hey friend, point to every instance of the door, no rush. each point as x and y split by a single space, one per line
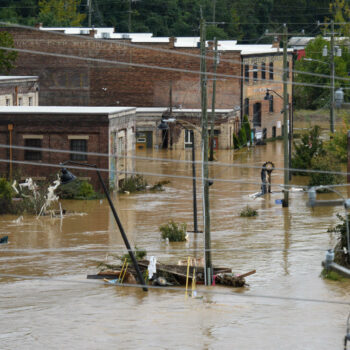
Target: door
257 114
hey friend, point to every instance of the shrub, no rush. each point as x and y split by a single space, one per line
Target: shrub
76 190
6 193
248 212
242 137
247 128
175 232
138 253
324 163
337 146
236 144
133 183
309 147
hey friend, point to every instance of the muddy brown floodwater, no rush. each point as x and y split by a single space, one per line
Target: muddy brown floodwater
285 246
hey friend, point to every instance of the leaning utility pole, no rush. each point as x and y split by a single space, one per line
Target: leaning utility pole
211 157
205 170
285 202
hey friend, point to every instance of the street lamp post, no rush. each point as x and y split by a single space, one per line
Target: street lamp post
67 177
287 140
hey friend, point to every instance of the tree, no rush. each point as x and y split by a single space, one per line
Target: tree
316 97
7 58
60 13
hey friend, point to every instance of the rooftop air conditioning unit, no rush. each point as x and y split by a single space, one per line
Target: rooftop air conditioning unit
125 36
84 31
105 35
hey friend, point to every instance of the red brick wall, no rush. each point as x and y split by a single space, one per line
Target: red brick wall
74 82
55 130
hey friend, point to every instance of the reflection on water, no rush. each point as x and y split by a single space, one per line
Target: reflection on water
51 314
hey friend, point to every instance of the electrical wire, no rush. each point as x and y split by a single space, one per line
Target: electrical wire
168 51
167 160
207 291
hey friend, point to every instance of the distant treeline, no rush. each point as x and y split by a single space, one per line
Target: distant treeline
245 20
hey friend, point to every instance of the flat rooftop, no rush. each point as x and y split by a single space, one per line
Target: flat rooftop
63 110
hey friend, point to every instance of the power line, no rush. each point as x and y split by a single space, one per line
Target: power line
160 67
169 160
181 290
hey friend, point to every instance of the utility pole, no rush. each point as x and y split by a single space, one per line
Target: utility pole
211 157
332 79
129 17
285 202
205 170
214 10
90 11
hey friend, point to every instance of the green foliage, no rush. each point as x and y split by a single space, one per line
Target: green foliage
7 58
248 212
242 137
337 146
138 253
313 97
62 13
6 193
241 20
331 275
76 190
247 128
309 147
175 232
324 163
133 183
236 144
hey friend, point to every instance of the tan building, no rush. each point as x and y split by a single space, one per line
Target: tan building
181 121
19 90
262 69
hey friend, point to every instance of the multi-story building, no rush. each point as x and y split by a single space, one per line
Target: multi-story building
19 90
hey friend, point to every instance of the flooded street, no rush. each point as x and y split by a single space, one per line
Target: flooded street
284 245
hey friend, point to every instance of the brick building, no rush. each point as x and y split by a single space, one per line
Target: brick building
121 72
79 129
19 90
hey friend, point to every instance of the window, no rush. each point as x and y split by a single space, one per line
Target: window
188 138
263 71
32 154
8 102
20 101
121 148
255 72
246 73
30 101
271 71
78 146
271 104
274 132
246 106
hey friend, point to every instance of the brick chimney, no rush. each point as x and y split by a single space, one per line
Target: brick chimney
92 32
172 41
38 25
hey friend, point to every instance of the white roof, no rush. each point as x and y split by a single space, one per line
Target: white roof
177 110
187 41
18 77
63 110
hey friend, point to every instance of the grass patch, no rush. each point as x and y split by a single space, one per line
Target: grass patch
248 212
331 275
175 232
